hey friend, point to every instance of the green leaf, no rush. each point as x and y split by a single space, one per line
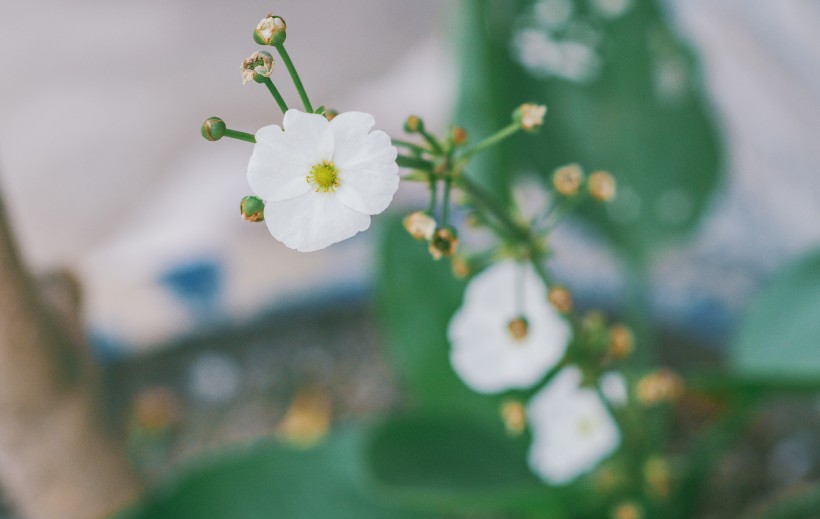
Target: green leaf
779 340
455 463
417 296
271 480
663 150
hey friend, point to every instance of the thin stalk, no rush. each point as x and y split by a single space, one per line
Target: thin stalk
445 203
431 208
242 136
276 95
410 146
491 205
432 141
492 140
295 77
414 163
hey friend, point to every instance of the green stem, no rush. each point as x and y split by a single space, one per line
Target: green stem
242 136
432 141
413 162
276 95
410 146
492 140
433 195
496 209
295 77
445 209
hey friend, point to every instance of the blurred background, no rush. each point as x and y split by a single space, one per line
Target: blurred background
211 332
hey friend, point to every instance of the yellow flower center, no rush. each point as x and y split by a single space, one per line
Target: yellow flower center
324 177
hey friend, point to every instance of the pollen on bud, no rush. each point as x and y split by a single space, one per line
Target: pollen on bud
213 128
567 179
420 225
627 510
561 299
257 67
414 124
458 136
602 186
663 385
444 243
514 415
621 341
252 209
272 30
519 328
530 116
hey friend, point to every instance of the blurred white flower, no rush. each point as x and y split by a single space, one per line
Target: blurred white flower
571 428
614 388
506 334
321 180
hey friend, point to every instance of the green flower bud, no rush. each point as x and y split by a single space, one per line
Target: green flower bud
414 124
213 128
444 243
270 31
252 209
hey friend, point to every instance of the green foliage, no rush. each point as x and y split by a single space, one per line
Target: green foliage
271 480
779 341
662 147
454 463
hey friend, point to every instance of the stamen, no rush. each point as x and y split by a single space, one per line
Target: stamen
324 177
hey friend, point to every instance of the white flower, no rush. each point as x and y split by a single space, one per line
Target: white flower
571 428
614 388
506 334
321 180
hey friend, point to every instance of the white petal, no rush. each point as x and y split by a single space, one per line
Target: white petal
483 353
313 221
369 185
615 388
274 173
308 136
572 429
349 132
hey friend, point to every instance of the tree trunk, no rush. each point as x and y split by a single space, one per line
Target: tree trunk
56 460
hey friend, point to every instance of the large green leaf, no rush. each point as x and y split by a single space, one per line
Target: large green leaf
417 297
779 340
454 463
663 149
270 480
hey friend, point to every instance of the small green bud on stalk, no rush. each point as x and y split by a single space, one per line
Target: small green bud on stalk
458 136
252 209
414 124
213 128
271 30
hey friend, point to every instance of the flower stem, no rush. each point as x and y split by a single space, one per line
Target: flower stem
410 146
242 136
492 140
431 209
295 77
445 203
492 206
432 141
276 95
413 162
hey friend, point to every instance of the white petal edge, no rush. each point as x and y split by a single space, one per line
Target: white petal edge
308 136
274 173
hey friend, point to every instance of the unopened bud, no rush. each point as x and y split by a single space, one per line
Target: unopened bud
444 243
414 124
514 416
627 510
561 299
252 209
519 328
331 114
602 186
272 30
458 136
567 179
213 128
257 67
530 116
420 225
621 341
663 385
460 266
658 474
